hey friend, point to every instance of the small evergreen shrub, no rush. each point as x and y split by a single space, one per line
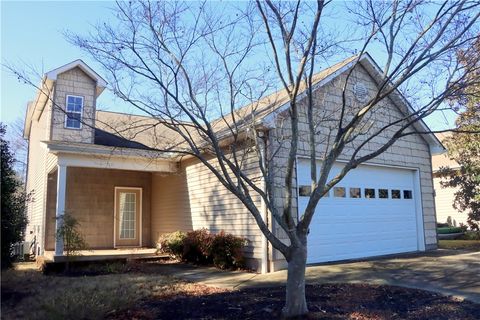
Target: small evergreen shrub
227 251
448 230
172 243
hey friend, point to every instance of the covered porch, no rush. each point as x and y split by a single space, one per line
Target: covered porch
109 192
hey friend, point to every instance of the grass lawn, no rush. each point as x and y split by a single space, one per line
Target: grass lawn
29 294
140 291
459 244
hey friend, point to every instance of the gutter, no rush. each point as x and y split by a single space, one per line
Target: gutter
105 150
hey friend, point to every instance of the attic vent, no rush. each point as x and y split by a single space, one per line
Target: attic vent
361 92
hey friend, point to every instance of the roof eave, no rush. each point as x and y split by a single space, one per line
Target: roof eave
56 147
35 108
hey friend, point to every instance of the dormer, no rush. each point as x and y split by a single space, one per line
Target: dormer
68 96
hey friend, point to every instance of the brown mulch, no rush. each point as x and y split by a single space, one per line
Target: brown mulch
327 301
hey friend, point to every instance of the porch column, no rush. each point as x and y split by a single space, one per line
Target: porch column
60 211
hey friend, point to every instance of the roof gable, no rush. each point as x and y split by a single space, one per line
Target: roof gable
367 62
101 83
43 95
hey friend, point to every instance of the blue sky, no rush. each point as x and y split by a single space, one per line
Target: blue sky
31 33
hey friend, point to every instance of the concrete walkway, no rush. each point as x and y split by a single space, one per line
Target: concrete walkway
447 272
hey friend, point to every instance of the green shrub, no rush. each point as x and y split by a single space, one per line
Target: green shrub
447 230
471 235
223 250
73 239
13 202
227 251
197 246
172 243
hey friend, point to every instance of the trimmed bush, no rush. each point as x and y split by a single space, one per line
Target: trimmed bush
447 230
172 243
196 246
223 250
227 251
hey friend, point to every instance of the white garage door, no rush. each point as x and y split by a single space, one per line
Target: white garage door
370 212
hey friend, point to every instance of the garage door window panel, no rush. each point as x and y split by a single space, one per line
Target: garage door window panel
369 193
396 194
339 192
355 193
383 193
407 194
305 191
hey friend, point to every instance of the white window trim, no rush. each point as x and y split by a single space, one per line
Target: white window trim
115 217
66 112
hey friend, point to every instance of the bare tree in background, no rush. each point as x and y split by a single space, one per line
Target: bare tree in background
191 66
19 146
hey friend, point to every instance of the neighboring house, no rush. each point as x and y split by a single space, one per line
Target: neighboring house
444 196
125 193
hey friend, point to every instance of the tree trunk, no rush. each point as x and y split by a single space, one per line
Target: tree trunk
296 302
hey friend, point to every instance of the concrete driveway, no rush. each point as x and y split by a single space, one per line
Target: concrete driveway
448 272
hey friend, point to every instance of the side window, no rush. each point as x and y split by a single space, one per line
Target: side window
304 191
383 193
369 193
74 110
395 194
355 193
339 192
407 194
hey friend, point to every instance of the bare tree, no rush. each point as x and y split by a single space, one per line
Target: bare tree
191 67
19 146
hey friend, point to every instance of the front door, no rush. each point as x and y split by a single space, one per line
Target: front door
128 215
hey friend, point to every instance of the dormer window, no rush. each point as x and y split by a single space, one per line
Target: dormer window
73 117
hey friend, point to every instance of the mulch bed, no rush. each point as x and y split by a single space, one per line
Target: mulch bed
327 301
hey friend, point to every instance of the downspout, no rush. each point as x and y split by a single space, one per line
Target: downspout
263 205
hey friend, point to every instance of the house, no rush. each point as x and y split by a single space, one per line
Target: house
444 197
125 193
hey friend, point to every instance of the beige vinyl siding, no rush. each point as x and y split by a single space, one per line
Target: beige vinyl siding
37 175
195 199
444 204
410 151
214 207
170 205
78 83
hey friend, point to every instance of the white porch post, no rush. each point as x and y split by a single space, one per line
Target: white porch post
60 211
